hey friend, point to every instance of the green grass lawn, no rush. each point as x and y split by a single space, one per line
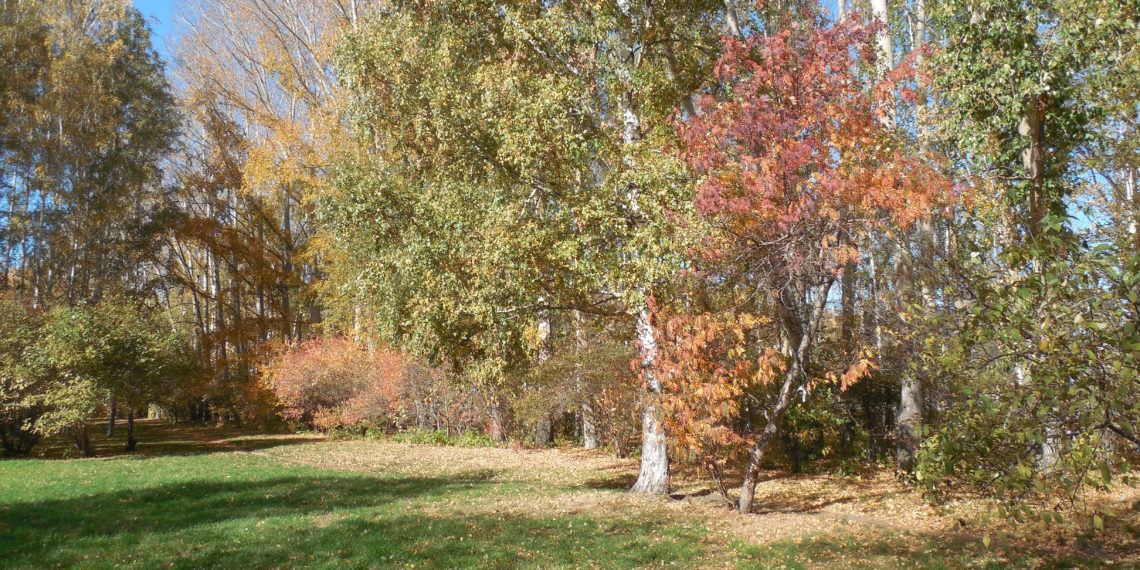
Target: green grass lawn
237 509
208 508
232 510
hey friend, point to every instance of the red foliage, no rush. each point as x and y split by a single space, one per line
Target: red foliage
797 155
333 382
797 167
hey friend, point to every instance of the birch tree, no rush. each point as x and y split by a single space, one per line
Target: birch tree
90 116
548 117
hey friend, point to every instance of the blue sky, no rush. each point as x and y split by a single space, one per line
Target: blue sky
160 15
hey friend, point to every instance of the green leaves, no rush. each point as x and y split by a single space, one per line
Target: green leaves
89 352
492 181
1046 384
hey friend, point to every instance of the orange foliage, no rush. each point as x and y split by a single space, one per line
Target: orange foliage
797 169
707 371
332 382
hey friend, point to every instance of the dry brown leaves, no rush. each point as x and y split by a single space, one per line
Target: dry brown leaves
789 507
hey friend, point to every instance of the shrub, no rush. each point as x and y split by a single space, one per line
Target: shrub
423 437
375 433
20 384
474 438
331 383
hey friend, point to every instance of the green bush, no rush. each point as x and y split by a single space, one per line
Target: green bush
375 433
423 437
474 438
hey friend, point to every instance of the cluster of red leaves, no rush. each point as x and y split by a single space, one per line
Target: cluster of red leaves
798 154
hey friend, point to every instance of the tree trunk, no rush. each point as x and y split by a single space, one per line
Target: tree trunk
1132 206
847 298
756 454
731 22
886 55
654 475
287 234
220 319
908 422
802 334
111 419
589 422
1050 448
589 425
542 431
131 441
1032 127
544 425
908 418
82 440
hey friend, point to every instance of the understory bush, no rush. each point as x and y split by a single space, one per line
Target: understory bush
335 384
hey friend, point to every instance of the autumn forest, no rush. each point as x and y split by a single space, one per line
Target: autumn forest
698 250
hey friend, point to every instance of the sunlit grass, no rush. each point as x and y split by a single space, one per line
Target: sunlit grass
240 511
237 509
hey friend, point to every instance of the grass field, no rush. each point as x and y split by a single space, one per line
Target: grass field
212 498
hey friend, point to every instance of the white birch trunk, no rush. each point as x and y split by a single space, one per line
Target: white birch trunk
589 422
654 475
885 63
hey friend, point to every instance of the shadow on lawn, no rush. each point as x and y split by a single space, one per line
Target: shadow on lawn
26 528
159 437
362 521
615 481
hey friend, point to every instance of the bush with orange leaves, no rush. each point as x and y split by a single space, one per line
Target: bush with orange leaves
710 373
330 383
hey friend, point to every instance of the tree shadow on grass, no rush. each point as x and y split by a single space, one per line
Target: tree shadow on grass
480 541
160 438
358 521
619 481
810 502
29 528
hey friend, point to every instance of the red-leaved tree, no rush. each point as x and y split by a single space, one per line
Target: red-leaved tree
796 169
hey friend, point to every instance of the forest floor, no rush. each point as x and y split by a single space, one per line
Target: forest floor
205 497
